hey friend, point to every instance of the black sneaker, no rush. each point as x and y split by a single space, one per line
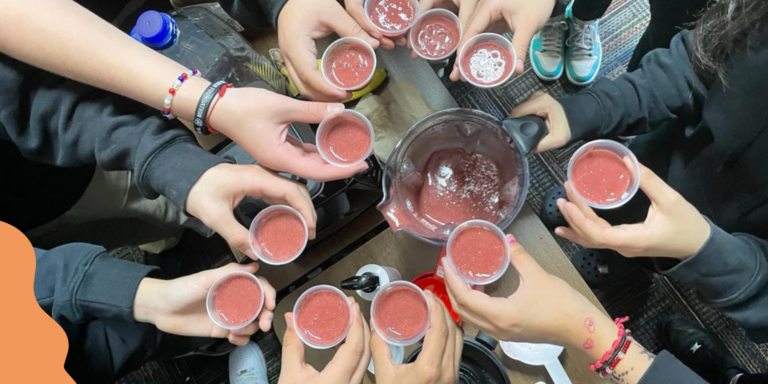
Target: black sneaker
701 351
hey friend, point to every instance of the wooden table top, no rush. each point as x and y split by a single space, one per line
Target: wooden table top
412 257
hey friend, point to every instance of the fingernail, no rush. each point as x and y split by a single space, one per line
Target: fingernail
511 239
335 108
520 64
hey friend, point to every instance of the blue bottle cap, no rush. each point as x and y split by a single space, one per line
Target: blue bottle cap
156 30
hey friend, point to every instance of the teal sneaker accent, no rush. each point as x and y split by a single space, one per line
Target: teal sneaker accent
547 50
584 51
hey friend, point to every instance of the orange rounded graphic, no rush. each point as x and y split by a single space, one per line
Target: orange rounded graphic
34 346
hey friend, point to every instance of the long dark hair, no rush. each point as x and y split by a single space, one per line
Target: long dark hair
725 26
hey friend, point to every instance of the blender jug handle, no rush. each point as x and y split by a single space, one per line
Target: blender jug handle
527 131
368 282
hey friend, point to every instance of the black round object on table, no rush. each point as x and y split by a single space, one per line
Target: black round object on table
479 365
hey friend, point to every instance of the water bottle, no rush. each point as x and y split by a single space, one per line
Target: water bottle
197 37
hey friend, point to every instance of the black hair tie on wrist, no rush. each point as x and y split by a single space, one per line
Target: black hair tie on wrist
204 105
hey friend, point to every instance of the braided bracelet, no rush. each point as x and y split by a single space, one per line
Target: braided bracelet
617 359
174 88
611 354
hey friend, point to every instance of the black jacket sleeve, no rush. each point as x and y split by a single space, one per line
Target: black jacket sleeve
664 89
90 295
65 123
731 272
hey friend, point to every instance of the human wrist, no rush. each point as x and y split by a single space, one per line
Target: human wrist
147 299
186 98
699 236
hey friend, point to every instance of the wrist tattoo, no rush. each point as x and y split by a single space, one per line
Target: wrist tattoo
588 343
589 323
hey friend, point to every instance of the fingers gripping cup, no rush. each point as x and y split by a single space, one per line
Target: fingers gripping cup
345 138
279 235
604 174
436 34
235 300
348 63
487 60
322 317
478 251
392 17
400 313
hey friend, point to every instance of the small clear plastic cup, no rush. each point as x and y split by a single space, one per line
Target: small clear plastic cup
346 43
210 300
387 32
426 16
486 38
478 224
328 122
259 221
382 295
297 314
620 150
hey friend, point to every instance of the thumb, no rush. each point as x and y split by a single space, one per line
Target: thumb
345 26
382 357
293 347
521 40
233 233
292 110
658 191
525 265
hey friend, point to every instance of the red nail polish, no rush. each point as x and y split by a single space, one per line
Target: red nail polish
511 239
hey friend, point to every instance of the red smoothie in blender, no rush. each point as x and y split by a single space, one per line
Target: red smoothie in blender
345 139
487 63
436 36
400 313
478 253
392 15
459 186
322 317
601 176
281 236
349 66
237 300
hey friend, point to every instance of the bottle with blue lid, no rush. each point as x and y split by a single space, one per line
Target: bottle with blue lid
202 37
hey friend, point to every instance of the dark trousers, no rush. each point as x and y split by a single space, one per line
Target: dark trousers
668 17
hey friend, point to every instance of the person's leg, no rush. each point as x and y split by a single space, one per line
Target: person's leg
667 19
111 212
588 10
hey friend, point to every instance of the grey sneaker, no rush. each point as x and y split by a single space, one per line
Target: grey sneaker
247 365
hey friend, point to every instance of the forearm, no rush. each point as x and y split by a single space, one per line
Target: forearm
145 302
67 39
593 333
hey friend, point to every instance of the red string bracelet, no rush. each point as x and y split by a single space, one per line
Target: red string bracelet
612 366
609 355
222 91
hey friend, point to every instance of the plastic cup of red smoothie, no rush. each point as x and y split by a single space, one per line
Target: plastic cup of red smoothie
392 18
235 300
478 252
348 63
487 60
322 317
400 313
345 138
279 235
432 28
600 177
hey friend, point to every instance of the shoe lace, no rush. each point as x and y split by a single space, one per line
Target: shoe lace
582 39
552 36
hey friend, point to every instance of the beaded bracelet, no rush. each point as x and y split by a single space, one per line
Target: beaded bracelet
620 356
617 344
174 88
